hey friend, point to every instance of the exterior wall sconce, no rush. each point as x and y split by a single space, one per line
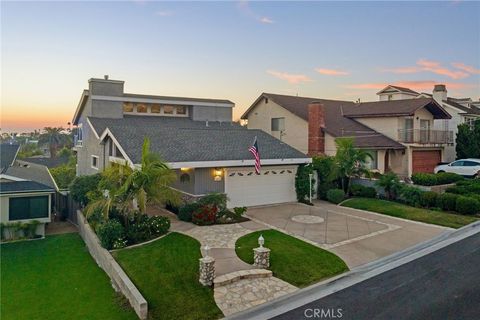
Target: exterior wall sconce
184 169
217 174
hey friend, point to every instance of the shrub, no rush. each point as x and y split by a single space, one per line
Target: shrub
391 184
424 179
158 225
109 232
239 211
81 186
185 212
428 199
448 177
358 190
217 200
302 183
335 195
467 205
204 215
326 173
447 201
410 195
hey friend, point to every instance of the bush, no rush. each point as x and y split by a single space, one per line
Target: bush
239 211
326 173
204 215
358 190
335 195
302 183
410 195
428 199
81 186
109 232
447 201
424 179
158 226
391 184
185 212
467 206
448 177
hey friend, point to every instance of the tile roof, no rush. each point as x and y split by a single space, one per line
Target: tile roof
8 153
185 140
23 186
335 124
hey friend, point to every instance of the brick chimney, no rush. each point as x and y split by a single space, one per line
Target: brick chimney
316 122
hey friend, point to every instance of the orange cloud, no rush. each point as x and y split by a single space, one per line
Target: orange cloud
414 85
431 66
466 68
331 72
291 78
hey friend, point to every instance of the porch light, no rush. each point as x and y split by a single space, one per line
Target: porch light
217 174
184 169
261 241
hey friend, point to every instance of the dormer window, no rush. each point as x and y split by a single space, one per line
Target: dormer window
168 110
141 108
127 107
155 109
181 110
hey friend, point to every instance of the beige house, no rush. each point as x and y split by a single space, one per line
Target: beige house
397 133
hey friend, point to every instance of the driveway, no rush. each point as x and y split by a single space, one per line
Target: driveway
356 236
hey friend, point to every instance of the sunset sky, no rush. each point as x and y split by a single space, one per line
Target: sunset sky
231 50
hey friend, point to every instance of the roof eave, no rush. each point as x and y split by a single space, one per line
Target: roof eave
80 106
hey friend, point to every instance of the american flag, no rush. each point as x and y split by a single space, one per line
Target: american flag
254 150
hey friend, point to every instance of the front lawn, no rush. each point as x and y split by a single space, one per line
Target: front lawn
292 260
399 210
166 273
56 278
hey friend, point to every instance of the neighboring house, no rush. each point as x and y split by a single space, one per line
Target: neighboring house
396 133
462 110
26 190
196 137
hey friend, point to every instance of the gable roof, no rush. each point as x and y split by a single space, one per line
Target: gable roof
336 124
398 89
23 187
394 108
472 110
185 140
31 171
8 154
47 161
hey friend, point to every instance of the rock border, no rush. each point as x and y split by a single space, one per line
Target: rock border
239 275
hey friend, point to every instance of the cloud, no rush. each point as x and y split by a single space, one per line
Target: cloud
164 13
414 85
466 68
331 72
290 78
424 65
244 7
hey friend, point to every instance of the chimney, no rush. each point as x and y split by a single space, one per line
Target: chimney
440 93
316 122
105 87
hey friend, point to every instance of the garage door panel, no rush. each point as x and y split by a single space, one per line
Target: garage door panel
425 161
251 190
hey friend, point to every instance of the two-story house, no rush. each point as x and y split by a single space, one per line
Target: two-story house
195 136
462 110
398 134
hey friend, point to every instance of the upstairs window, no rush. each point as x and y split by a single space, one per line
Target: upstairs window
127 107
155 108
95 162
141 108
181 110
278 124
168 110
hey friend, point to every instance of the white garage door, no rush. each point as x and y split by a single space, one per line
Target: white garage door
273 185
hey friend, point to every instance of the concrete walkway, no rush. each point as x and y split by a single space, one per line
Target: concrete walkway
60 227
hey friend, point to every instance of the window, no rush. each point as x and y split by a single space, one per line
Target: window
95 162
28 208
470 122
390 97
278 124
141 108
181 110
470 163
127 107
371 162
155 108
457 164
168 110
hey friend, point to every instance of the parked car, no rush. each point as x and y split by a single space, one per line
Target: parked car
465 167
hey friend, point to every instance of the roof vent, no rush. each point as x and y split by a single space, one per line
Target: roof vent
105 77
206 123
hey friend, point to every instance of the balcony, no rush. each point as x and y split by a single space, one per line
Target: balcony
425 136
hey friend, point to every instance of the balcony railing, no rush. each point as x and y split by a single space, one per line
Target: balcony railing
77 142
425 136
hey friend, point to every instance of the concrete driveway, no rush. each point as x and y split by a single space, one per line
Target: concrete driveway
357 236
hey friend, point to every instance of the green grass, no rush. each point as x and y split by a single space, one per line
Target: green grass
166 273
399 210
292 260
56 278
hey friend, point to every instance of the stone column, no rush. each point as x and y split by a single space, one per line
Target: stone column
207 271
261 257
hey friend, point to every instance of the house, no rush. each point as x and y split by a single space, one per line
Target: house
397 133
26 190
462 110
196 137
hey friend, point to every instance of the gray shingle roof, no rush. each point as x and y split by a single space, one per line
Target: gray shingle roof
453 103
31 171
185 140
48 162
23 186
8 153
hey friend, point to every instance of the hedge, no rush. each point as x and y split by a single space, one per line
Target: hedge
358 190
467 205
428 199
335 195
447 201
430 179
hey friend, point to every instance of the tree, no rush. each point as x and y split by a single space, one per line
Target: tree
83 185
326 173
350 162
390 183
468 141
55 139
63 175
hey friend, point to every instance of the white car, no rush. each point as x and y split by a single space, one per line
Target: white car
465 167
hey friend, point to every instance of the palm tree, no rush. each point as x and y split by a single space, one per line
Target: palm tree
55 139
350 162
127 188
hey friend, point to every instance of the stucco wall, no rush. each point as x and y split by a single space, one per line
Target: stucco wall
91 146
205 183
5 207
385 125
107 109
296 129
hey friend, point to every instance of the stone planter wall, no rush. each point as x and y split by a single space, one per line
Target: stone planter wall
120 281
